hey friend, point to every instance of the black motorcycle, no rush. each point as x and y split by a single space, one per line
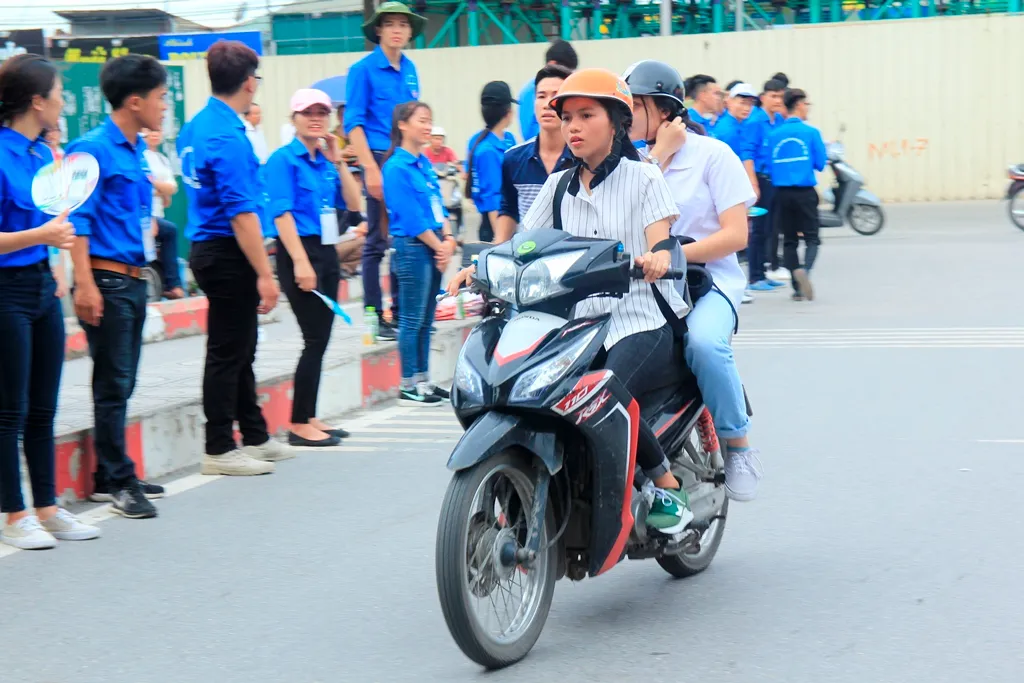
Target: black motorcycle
1015 193
545 481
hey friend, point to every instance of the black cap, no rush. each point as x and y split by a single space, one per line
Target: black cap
497 92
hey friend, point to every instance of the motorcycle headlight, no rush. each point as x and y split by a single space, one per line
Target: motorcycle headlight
467 379
532 383
501 274
542 278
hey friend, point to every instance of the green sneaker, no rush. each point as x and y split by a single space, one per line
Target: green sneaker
670 512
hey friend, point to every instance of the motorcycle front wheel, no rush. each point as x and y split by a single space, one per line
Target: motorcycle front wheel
1017 207
866 219
484 513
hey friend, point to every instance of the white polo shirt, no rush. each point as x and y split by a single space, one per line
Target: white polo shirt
706 178
633 197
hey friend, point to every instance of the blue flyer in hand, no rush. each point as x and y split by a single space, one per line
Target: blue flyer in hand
334 306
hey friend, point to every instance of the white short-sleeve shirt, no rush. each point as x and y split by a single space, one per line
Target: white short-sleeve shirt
160 168
622 206
706 178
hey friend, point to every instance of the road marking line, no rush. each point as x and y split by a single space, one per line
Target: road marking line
390 439
1011 441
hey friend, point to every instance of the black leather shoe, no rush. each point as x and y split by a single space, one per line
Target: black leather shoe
340 433
296 440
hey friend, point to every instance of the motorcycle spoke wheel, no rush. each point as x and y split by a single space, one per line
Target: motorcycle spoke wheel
495 610
1017 208
865 219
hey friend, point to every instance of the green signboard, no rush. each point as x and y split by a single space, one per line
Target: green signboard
85 108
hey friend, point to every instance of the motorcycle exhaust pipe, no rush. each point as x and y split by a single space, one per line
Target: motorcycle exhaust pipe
707 502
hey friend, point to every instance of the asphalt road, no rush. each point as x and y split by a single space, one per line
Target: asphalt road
883 546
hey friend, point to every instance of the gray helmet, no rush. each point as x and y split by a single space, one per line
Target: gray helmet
655 79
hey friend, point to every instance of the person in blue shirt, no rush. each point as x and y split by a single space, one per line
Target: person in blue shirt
486 150
763 247
526 167
797 151
220 172
708 101
114 242
424 246
31 320
376 85
310 184
560 53
730 128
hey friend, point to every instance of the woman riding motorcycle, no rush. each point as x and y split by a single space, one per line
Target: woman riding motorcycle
712 191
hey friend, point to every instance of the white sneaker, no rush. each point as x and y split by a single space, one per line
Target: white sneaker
780 274
743 472
28 534
270 451
234 464
64 526
747 297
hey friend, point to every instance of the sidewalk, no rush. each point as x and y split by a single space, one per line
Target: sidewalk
165 425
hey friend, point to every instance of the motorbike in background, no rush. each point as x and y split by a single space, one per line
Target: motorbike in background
451 191
850 202
1015 193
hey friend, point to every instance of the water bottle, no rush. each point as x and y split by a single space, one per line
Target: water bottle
370 323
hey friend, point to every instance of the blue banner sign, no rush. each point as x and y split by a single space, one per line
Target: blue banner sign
185 46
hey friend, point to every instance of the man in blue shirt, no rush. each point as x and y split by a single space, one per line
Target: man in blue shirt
376 85
708 101
221 171
763 246
730 128
114 241
525 168
797 151
560 53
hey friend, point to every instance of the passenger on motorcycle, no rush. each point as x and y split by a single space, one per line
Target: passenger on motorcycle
613 195
712 192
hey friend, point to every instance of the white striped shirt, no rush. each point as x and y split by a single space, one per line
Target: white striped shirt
632 198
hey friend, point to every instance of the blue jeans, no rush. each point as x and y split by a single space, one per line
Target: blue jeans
32 329
709 355
167 252
115 346
418 283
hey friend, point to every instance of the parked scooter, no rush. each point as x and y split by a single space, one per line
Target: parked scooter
451 191
850 201
1015 193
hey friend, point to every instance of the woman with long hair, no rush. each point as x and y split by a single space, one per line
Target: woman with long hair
423 245
486 150
31 319
713 192
311 182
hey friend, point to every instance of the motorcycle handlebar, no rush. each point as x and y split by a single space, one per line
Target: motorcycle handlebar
670 274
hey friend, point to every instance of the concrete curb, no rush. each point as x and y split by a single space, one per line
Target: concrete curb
173 438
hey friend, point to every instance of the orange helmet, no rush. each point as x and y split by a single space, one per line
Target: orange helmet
597 84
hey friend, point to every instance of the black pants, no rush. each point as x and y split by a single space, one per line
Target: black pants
315 319
32 329
115 346
637 361
762 232
796 210
229 384
486 229
374 248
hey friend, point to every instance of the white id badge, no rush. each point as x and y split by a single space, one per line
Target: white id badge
148 240
435 204
329 227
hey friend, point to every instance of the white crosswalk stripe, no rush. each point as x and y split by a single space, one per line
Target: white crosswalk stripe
892 338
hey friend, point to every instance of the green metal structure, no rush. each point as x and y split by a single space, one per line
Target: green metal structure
458 23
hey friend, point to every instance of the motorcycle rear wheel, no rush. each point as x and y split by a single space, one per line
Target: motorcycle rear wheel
1016 207
454 562
866 219
688 564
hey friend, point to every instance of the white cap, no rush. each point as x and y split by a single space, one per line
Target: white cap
437 130
743 90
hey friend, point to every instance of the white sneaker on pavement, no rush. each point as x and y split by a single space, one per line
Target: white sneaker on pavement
780 274
28 534
234 464
64 526
743 472
270 451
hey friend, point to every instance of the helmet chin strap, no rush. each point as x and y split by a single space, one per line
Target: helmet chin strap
651 139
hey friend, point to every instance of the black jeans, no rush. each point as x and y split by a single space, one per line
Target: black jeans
486 229
32 330
167 252
796 209
637 361
315 319
115 346
229 383
761 231
373 252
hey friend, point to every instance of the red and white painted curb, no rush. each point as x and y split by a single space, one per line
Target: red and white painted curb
187 317
173 439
